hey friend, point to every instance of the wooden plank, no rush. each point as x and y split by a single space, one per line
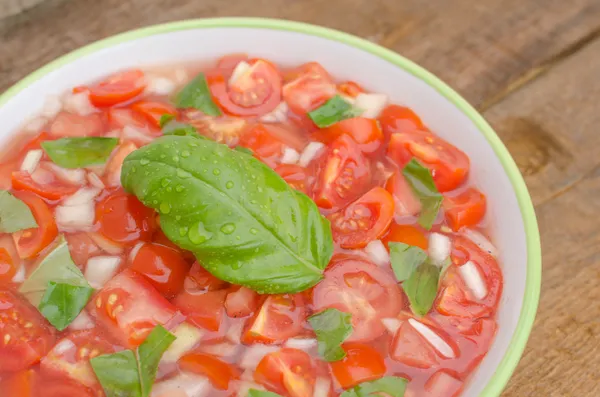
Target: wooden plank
479 47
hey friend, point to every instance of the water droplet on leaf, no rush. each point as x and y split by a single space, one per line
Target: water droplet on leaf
228 228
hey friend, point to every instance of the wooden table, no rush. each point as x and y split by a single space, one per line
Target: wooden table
531 66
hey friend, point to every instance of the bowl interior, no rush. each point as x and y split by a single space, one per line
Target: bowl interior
344 61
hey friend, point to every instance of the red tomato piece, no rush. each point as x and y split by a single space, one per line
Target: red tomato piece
363 221
20 384
354 285
295 175
129 308
119 118
200 280
74 125
122 218
362 364
63 388
350 88
204 309
81 247
266 147
405 200
7 267
308 87
407 234
115 163
448 165
465 209
241 303
365 132
227 64
395 118
343 174
153 111
30 242
118 88
163 267
279 318
220 373
21 180
442 384
25 336
287 371
411 349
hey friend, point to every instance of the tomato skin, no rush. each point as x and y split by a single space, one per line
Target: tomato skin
343 175
122 218
363 221
74 125
21 180
410 348
117 88
20 384
7 267
354 285
361 364
227 64
30 242
365 132
81 247
307 87
350 88
241 303
465 209
263 144
63 388
406 203
26 335
115 163
279 318
287 371
218 372
443 384
395 118
163 267
205 309
448 165
153 111
296 176
407 234
200 280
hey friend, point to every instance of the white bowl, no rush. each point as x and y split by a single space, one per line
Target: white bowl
511 215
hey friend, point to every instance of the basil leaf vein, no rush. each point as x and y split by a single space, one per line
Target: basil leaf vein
392 386
421 287
242 221
421 182
332 111
62 302
332 327
405 259
196 94
15 215
80 151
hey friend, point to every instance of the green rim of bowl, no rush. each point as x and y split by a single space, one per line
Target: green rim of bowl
534 256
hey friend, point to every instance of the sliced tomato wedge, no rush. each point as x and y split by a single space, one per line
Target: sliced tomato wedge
307 87
407 234
354 285
26 335
203 309
289 372
296 176
343 174
54 190
30 242
466 209
21 384
442 384
279 318
200 280
129 308
220 373
407 204
153 111
395 118
365 132
350 88
256 92
63 388
115 163
74 125
241 303
122 218
81 247
363 221
448 165
362 364
118 88
162 266
411 349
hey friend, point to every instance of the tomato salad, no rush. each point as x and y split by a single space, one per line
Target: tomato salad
243 229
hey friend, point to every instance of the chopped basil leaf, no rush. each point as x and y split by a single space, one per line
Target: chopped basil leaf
405 259
262 393
58 267
180 129
129 374
392 386
332 111
332 327
15 215
81 151
63 302
421 287
419 178
244 150
196 94
164 119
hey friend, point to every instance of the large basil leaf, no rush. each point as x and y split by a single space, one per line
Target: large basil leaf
421 181
80 151
332 328
15 215
392 386
241 220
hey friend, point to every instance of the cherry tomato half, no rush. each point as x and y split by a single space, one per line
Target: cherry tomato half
287 371
395 118
407 234
279 318
55 190
118 88
307 87
365 132
153 111
30 242
220 373
123 218
465 209
361 364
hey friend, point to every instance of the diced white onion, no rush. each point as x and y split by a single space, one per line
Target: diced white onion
31 160
52 106
79 103
472 278
75 176
377 253
254 354
191 385
348 98
277 115
481 241
100 269
19 276
239 71
82 196
63 346
436 341
290 156
181 76
371 104
234 333
81 322
224 349
301 343
95 180
134 251
133 134
322 387
310 152
439 247
36 124
75 217
42 176
160 86
106 244
187 336
391 324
